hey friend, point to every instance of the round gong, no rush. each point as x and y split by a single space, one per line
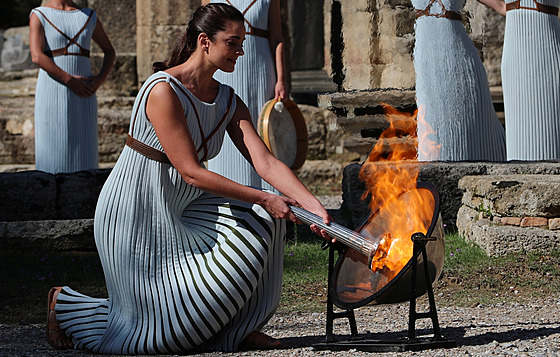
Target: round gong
282 127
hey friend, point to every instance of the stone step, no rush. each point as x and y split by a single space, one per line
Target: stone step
511 213
362 115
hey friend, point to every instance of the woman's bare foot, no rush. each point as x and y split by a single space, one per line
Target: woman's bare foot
55 335
258 340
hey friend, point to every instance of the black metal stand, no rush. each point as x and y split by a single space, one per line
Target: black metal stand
413 343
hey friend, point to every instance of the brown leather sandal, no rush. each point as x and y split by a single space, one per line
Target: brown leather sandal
55 335
258 340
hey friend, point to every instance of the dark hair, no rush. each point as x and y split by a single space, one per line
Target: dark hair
209 19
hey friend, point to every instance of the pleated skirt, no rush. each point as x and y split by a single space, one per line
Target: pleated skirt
65 124
456 117
185 270
531 85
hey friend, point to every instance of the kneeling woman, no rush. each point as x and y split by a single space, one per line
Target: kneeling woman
191 259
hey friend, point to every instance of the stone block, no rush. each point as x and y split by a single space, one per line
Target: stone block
15 53
78 193
62 235
501 240
27 196
519 195
466 217
534 222
511 221
554 223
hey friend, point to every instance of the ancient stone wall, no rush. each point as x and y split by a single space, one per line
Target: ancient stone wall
160 22
369 44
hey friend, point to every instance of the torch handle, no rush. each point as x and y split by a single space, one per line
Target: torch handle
352 239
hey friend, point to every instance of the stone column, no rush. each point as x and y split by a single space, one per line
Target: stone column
159 23
370 42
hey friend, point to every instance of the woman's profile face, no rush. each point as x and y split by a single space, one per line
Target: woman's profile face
227 46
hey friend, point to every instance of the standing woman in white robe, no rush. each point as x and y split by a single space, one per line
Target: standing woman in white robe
259 76
531 78
456 117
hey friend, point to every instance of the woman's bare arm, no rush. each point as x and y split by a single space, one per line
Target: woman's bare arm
272 170
498 5
276 42
166 115
101 38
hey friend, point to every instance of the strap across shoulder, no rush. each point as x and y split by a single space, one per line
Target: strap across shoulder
160 156
255 31
71 40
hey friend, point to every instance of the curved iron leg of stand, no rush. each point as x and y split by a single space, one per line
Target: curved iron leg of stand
432 313
331 314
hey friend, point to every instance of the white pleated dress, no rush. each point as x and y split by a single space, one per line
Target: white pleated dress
531 83
65 124
184 269
253 79
456 118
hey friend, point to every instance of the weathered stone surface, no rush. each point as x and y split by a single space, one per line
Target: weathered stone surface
534 222
321 141
48 234
27 196
119 22
122 80
554 223
113 123
316 171
159 25
15 53
498 240
37 195
519 195
511 221
78 193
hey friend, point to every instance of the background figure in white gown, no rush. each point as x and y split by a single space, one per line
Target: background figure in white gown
259 76
531 78
456 118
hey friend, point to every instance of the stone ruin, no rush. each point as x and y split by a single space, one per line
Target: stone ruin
356 54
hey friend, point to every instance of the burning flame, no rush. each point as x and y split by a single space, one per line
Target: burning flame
391 170
428 149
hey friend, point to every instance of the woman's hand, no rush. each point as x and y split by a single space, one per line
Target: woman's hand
280 90
320 211
80 85
278 207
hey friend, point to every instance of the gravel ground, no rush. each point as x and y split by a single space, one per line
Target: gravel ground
508 329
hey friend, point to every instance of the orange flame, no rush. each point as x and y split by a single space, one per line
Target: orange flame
428 149
390 170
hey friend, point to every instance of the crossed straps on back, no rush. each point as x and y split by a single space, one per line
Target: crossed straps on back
71 41
451 15
160 156
255 31
547 9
